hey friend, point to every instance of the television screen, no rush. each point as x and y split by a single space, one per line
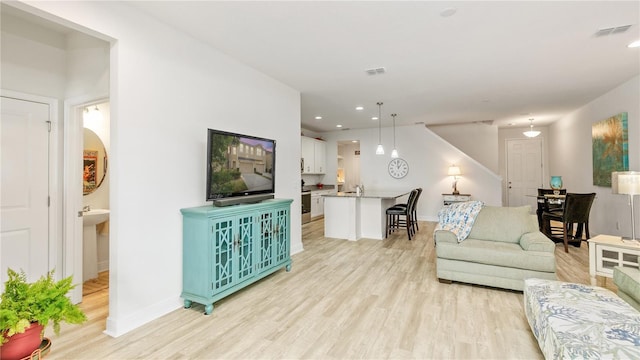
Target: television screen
239 165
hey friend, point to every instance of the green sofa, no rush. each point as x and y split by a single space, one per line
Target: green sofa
628 282
503 249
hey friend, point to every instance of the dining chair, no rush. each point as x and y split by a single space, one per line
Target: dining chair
402 216
545 205
575 211
414 215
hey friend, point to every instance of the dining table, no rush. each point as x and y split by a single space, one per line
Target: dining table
544 202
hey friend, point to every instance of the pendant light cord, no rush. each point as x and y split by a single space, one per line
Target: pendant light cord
379 122
394 129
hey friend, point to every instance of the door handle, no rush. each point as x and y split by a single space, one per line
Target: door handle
79 213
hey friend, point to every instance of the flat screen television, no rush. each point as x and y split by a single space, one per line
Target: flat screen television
240 168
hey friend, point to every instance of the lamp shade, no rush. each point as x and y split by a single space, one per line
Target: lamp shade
454 171
625 182
531 133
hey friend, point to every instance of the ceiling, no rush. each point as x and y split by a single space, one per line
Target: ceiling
497 62
492 62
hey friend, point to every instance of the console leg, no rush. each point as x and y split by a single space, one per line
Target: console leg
208 309
187 304
288 268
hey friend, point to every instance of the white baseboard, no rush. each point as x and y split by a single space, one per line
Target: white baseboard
296 248
117 326
103 266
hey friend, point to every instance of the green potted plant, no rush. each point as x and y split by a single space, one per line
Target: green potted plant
29 308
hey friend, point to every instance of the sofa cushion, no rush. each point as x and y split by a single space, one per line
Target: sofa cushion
537 241
498 254
504 224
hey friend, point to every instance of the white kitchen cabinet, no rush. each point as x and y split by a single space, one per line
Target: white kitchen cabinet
320 163
313 156
308 155
317 202
317 205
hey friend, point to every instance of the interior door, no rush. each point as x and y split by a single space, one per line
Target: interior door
24 205
524 171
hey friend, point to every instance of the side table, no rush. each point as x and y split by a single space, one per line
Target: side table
606 251
449 199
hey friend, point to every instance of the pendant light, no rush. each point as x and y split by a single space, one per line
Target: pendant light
531 133
379 149
394 153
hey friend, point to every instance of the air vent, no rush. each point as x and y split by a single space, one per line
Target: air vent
376 71
612 31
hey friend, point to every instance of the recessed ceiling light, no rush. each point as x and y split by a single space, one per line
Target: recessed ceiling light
448 12
634 44
354 141
338 126
374 118
376 71
318 117
359 108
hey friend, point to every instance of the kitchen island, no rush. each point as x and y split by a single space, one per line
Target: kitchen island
353 216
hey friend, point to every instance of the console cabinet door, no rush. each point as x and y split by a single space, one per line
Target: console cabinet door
266 243
274 238
233 251
245 248
282 230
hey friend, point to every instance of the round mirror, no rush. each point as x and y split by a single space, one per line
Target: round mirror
94 162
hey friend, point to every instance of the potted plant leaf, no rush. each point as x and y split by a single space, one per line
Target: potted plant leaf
27 308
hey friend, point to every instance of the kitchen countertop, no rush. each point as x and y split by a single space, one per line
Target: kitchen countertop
370 194
308 188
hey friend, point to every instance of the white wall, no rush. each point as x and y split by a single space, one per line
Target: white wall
570 155
478 140
166 89
44 74
429 157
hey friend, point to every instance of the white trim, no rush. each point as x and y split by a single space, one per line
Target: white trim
54 215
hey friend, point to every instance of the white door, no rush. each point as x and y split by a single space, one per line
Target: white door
24 208
524 171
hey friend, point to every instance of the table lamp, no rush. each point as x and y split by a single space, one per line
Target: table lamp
455 172
628 183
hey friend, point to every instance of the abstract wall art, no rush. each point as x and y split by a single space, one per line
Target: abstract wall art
610 144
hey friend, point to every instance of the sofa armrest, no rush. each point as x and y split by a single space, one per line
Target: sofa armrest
628 282
536 241
444 236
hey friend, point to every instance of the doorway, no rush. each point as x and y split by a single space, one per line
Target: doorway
524 171
95 196
348 170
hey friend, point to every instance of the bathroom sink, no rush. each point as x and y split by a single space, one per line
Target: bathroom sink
94 217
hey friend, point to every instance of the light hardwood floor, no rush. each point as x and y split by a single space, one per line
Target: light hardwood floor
342 300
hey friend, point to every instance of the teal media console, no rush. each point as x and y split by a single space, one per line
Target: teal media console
227 248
